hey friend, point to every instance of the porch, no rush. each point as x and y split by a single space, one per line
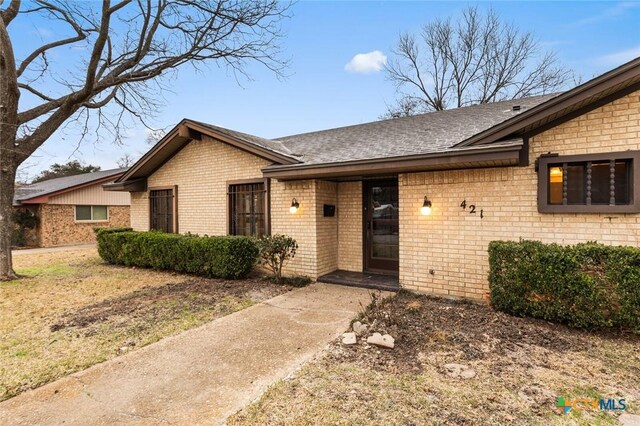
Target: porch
362 279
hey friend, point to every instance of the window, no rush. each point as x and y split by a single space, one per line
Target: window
92 213
248 209
593 183
162 209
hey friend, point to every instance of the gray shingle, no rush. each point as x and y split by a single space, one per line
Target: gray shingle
419 134
57 184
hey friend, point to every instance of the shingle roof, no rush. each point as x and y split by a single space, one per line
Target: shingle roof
272 145
419 134
58 184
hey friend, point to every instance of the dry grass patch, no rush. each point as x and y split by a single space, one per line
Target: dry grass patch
70 311
522 366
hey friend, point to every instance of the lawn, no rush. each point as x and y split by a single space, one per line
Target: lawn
522 366
70 311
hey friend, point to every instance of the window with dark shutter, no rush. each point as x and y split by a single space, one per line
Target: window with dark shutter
248 210
162 210
593 183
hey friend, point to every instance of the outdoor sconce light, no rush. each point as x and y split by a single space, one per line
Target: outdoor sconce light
426 207
295 205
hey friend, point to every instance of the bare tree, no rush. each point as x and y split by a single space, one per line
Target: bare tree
476 59
122 49
126 161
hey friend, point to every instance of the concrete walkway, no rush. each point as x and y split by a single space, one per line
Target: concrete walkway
53 249
200 376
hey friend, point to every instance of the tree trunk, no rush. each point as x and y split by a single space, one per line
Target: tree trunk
10 153
7 181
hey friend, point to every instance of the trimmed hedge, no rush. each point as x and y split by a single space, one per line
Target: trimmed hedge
585 285
214 257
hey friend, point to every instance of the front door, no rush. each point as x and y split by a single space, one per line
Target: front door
381 226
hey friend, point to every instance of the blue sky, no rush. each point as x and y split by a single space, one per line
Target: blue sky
321 38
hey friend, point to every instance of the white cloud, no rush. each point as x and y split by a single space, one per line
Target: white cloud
619 58
611 12
364 63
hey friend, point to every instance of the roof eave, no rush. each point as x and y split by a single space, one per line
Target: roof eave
487 156
186 131
43 197
583 92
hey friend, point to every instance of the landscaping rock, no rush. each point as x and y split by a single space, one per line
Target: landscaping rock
459 370
627 419
385 341
535 395
359 328
349 338
469 373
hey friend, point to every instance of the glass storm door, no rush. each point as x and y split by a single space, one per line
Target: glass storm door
381 226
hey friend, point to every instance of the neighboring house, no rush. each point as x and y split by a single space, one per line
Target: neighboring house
417 197
68 208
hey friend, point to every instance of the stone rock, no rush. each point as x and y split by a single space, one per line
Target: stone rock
459 370
385 341
535 395
627 419
469 373
359 328
349 339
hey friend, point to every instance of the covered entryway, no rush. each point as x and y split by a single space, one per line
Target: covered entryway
381 235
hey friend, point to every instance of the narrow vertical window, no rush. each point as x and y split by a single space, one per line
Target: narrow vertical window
162 210
248 209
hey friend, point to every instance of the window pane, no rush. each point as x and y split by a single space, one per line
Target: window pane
247 209
161 204
555 184
576 184
623 182
83 212
99 212
600 183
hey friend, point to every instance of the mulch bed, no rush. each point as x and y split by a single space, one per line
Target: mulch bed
154 302
468 331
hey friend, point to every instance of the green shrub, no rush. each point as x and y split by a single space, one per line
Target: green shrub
585 285
214 257
276 251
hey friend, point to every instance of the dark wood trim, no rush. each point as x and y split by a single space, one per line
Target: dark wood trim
366 264
187 131
136 185
174 191
609 80
543 172
584 110
490 156
524 152
244 146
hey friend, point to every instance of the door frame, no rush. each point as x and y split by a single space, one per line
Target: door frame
366 243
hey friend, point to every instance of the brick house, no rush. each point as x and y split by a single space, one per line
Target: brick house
416 199
68 208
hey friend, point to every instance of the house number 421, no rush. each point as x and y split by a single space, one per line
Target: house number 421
472 208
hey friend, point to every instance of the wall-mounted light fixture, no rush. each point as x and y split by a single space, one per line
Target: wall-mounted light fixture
426 207
295 205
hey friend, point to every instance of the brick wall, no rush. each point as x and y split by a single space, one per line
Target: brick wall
317 236
58 225
326 228
453 243
201 170
350 226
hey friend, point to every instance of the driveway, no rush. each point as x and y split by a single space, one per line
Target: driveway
200 376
